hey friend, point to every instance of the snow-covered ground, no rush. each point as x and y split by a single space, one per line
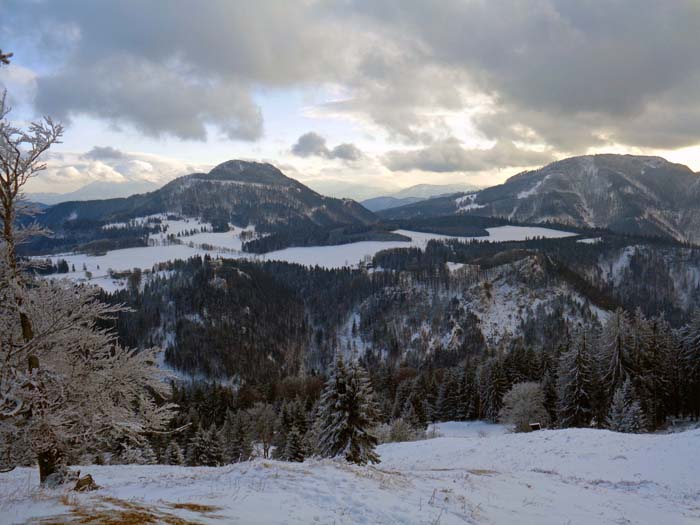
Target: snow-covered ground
476 474
229 244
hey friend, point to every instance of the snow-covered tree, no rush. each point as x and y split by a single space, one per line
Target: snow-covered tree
626 412
654 374
616 345
347 414
294 448
66 386
137 455
493 386
522 405
575 384
173 454
690 341
205 448
235 438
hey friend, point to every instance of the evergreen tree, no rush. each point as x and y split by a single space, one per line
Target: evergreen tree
655 374
690 341
239 443
294 448
615 345
616 418
173 454
626 412
205 448
575 384
347 413
494 385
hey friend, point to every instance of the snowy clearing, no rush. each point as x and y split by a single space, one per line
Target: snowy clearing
228 245
480 475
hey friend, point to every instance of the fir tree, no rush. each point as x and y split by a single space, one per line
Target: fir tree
347 413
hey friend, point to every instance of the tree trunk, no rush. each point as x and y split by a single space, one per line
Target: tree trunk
49 463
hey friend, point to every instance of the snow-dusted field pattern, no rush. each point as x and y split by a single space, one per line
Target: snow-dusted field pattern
229 245
476 473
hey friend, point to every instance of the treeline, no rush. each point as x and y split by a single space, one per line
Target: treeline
312 235
631 375
235 318
89 236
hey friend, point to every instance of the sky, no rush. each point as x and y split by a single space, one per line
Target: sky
352 97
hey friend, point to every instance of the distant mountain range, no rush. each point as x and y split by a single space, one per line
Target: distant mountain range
414 194
631 194
96 190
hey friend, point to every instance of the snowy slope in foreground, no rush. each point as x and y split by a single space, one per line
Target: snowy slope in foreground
575 476
228 245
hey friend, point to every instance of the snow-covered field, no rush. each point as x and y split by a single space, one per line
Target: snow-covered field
476 474
229 244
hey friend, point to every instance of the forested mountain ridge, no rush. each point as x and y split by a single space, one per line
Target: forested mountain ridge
454 299
237 192
632 194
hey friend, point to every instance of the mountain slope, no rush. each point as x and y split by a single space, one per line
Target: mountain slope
235 191
625 193
385 203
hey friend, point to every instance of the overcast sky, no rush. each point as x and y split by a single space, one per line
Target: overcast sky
350 94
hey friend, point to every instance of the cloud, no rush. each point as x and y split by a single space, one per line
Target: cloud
565 74
177 71
596 71
450 156
312 144
104 152
67 171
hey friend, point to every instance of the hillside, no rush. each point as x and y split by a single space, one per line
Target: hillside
235 192
481 475
626 193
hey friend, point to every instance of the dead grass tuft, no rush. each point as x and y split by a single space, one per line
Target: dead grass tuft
113 511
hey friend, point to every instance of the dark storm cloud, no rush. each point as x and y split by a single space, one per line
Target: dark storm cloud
603 66
566 73
312 144
450 156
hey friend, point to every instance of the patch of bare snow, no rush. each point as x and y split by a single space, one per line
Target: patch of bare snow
475 475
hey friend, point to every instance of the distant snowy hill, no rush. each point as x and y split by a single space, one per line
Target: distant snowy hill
414 194
625 193
478 475
385 203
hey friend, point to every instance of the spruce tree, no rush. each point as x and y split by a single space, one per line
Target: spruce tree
616 345
575 384
626 413
294 448
173 454
240 445
690 341
347 414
